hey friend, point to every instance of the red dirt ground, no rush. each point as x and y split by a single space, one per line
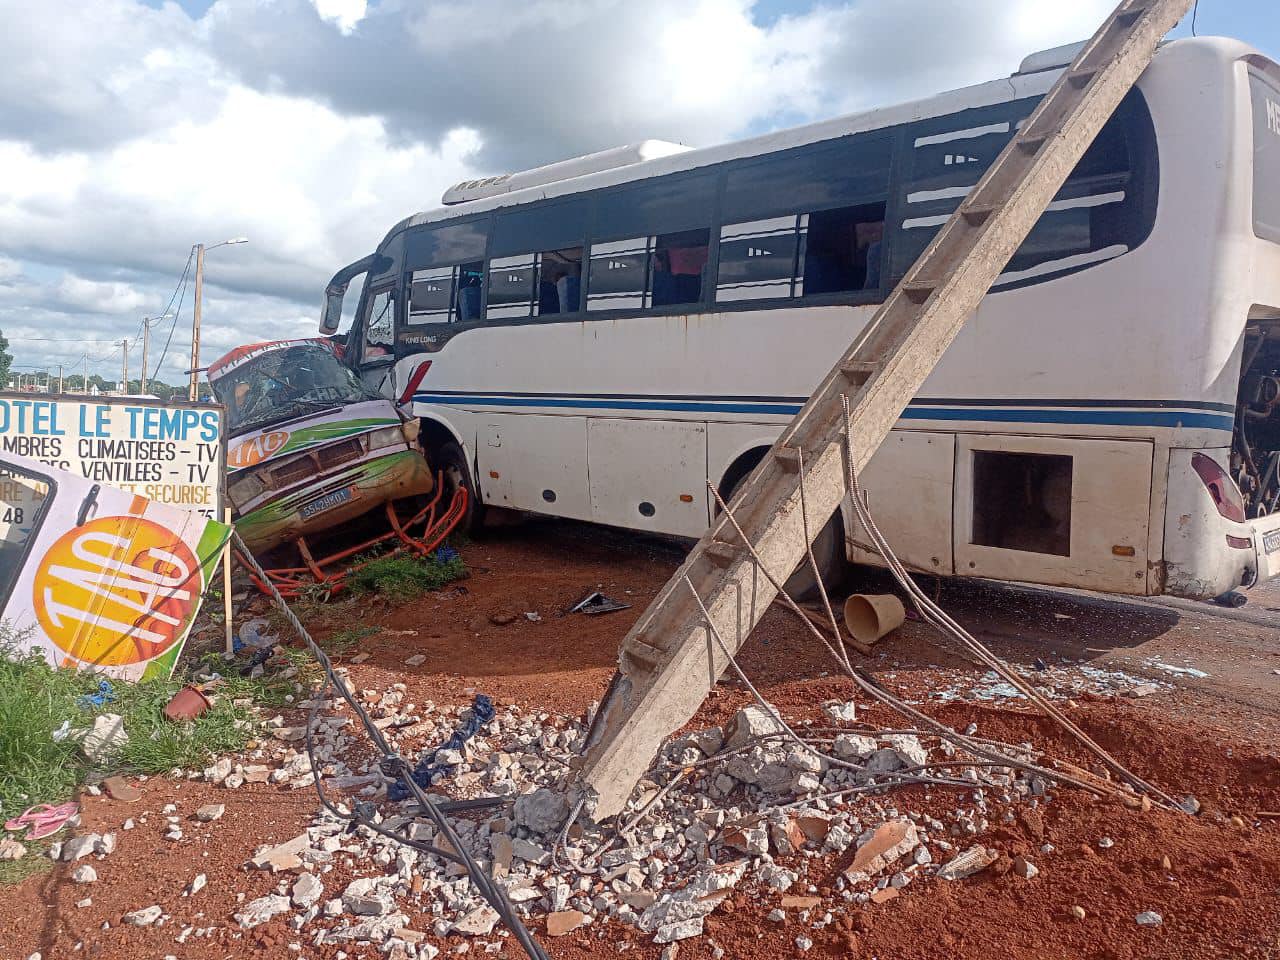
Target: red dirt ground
1220 896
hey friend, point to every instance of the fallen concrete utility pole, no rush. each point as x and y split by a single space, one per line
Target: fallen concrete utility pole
668 661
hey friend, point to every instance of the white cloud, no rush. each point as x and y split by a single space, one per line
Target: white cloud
77 293
344 14
128 133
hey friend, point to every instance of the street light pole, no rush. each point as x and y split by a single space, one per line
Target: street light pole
146 343
193 389
124 359
59 378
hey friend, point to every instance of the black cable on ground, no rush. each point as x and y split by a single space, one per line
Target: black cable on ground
395 767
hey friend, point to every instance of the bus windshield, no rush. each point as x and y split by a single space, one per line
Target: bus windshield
287 382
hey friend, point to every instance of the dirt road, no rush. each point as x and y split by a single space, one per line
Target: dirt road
1209 727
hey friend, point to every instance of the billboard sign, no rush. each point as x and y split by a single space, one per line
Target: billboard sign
93 576
168 452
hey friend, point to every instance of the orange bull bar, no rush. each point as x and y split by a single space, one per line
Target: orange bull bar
331 573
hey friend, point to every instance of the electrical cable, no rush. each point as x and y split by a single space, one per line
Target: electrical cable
174 324
393 766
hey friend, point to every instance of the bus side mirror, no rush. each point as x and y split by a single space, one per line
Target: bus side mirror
331 315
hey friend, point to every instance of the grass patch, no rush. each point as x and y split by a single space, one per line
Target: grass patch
36 700
405 577
344 641
15 871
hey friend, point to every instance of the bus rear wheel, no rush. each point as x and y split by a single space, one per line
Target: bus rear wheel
828 555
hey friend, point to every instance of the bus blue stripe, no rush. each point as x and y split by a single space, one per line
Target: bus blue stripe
1100 417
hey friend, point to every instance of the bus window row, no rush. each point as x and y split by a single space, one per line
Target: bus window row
806 222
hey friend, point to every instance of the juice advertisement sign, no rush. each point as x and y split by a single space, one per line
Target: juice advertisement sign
97 577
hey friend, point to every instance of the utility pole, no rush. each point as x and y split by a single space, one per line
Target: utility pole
146 345
193 388
59 378
124 360
84 385
666 665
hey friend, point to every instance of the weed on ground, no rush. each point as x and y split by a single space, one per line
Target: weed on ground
403 577
343 642
41 708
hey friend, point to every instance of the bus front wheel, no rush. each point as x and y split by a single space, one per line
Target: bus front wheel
450 460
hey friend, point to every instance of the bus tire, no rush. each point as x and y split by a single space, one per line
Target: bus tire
450 460
828 555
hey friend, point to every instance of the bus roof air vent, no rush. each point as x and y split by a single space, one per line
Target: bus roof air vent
609 159
1052 59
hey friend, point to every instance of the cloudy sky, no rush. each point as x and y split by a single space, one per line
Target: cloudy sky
130 130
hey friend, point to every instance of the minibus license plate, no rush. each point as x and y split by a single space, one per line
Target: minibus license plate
1271 541
327 502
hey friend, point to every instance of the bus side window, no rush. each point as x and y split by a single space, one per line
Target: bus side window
536 264
805 223
446 272
842 249
678 264
663 260
1105 209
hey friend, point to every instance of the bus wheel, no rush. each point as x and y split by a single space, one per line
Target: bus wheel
828 554
450 459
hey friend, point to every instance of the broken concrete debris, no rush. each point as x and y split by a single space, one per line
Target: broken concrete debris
144 917
889 843
259 911
104 740
11 849
748 818
751 723
966 864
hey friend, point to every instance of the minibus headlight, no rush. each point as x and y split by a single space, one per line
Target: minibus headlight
1223 490
245 487
387 437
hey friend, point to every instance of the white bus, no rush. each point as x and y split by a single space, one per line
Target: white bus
596 338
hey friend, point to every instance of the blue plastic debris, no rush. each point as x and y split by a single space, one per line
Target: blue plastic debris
445 554
100 698
427 770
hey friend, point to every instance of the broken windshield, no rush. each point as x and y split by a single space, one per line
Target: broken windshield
289 382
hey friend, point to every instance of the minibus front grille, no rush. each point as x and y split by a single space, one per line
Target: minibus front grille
340 453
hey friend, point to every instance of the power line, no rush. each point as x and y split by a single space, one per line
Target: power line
57 339
173 326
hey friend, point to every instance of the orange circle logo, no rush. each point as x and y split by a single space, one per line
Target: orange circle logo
116 591
256 449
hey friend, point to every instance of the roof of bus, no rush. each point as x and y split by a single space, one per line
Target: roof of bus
983 94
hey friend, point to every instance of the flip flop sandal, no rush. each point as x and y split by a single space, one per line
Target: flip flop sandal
50 822
28 817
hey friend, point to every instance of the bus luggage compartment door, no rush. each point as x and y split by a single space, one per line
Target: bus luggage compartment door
649 474
1053 510
908 482
535 463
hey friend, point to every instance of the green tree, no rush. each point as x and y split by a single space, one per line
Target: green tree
6 360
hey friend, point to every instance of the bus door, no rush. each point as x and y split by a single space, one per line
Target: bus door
368 345
373 352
